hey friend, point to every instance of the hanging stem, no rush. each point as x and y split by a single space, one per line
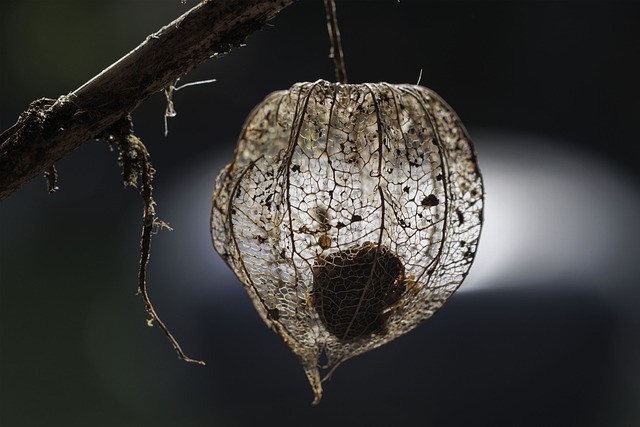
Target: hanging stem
336 44
137 172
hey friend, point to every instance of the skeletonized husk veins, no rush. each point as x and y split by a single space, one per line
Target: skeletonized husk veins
350 213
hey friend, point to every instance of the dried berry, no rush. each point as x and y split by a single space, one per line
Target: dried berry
342 214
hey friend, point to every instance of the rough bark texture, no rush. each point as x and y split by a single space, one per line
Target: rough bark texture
50 129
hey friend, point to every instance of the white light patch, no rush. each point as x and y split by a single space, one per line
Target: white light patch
185 256
552 211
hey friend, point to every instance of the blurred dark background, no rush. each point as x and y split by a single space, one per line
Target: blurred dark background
545 331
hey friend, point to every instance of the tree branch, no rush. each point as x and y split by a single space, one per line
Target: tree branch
50 129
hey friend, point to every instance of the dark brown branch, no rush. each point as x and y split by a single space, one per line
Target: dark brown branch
50 129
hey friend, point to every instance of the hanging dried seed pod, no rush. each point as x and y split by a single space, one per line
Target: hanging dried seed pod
351 213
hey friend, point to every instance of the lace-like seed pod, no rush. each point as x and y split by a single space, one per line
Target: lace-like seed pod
351 213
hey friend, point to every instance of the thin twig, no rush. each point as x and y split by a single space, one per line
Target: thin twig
149 223
336 43
51 176
170 110
137 172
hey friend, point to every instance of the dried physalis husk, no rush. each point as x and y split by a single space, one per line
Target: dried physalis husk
351 213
